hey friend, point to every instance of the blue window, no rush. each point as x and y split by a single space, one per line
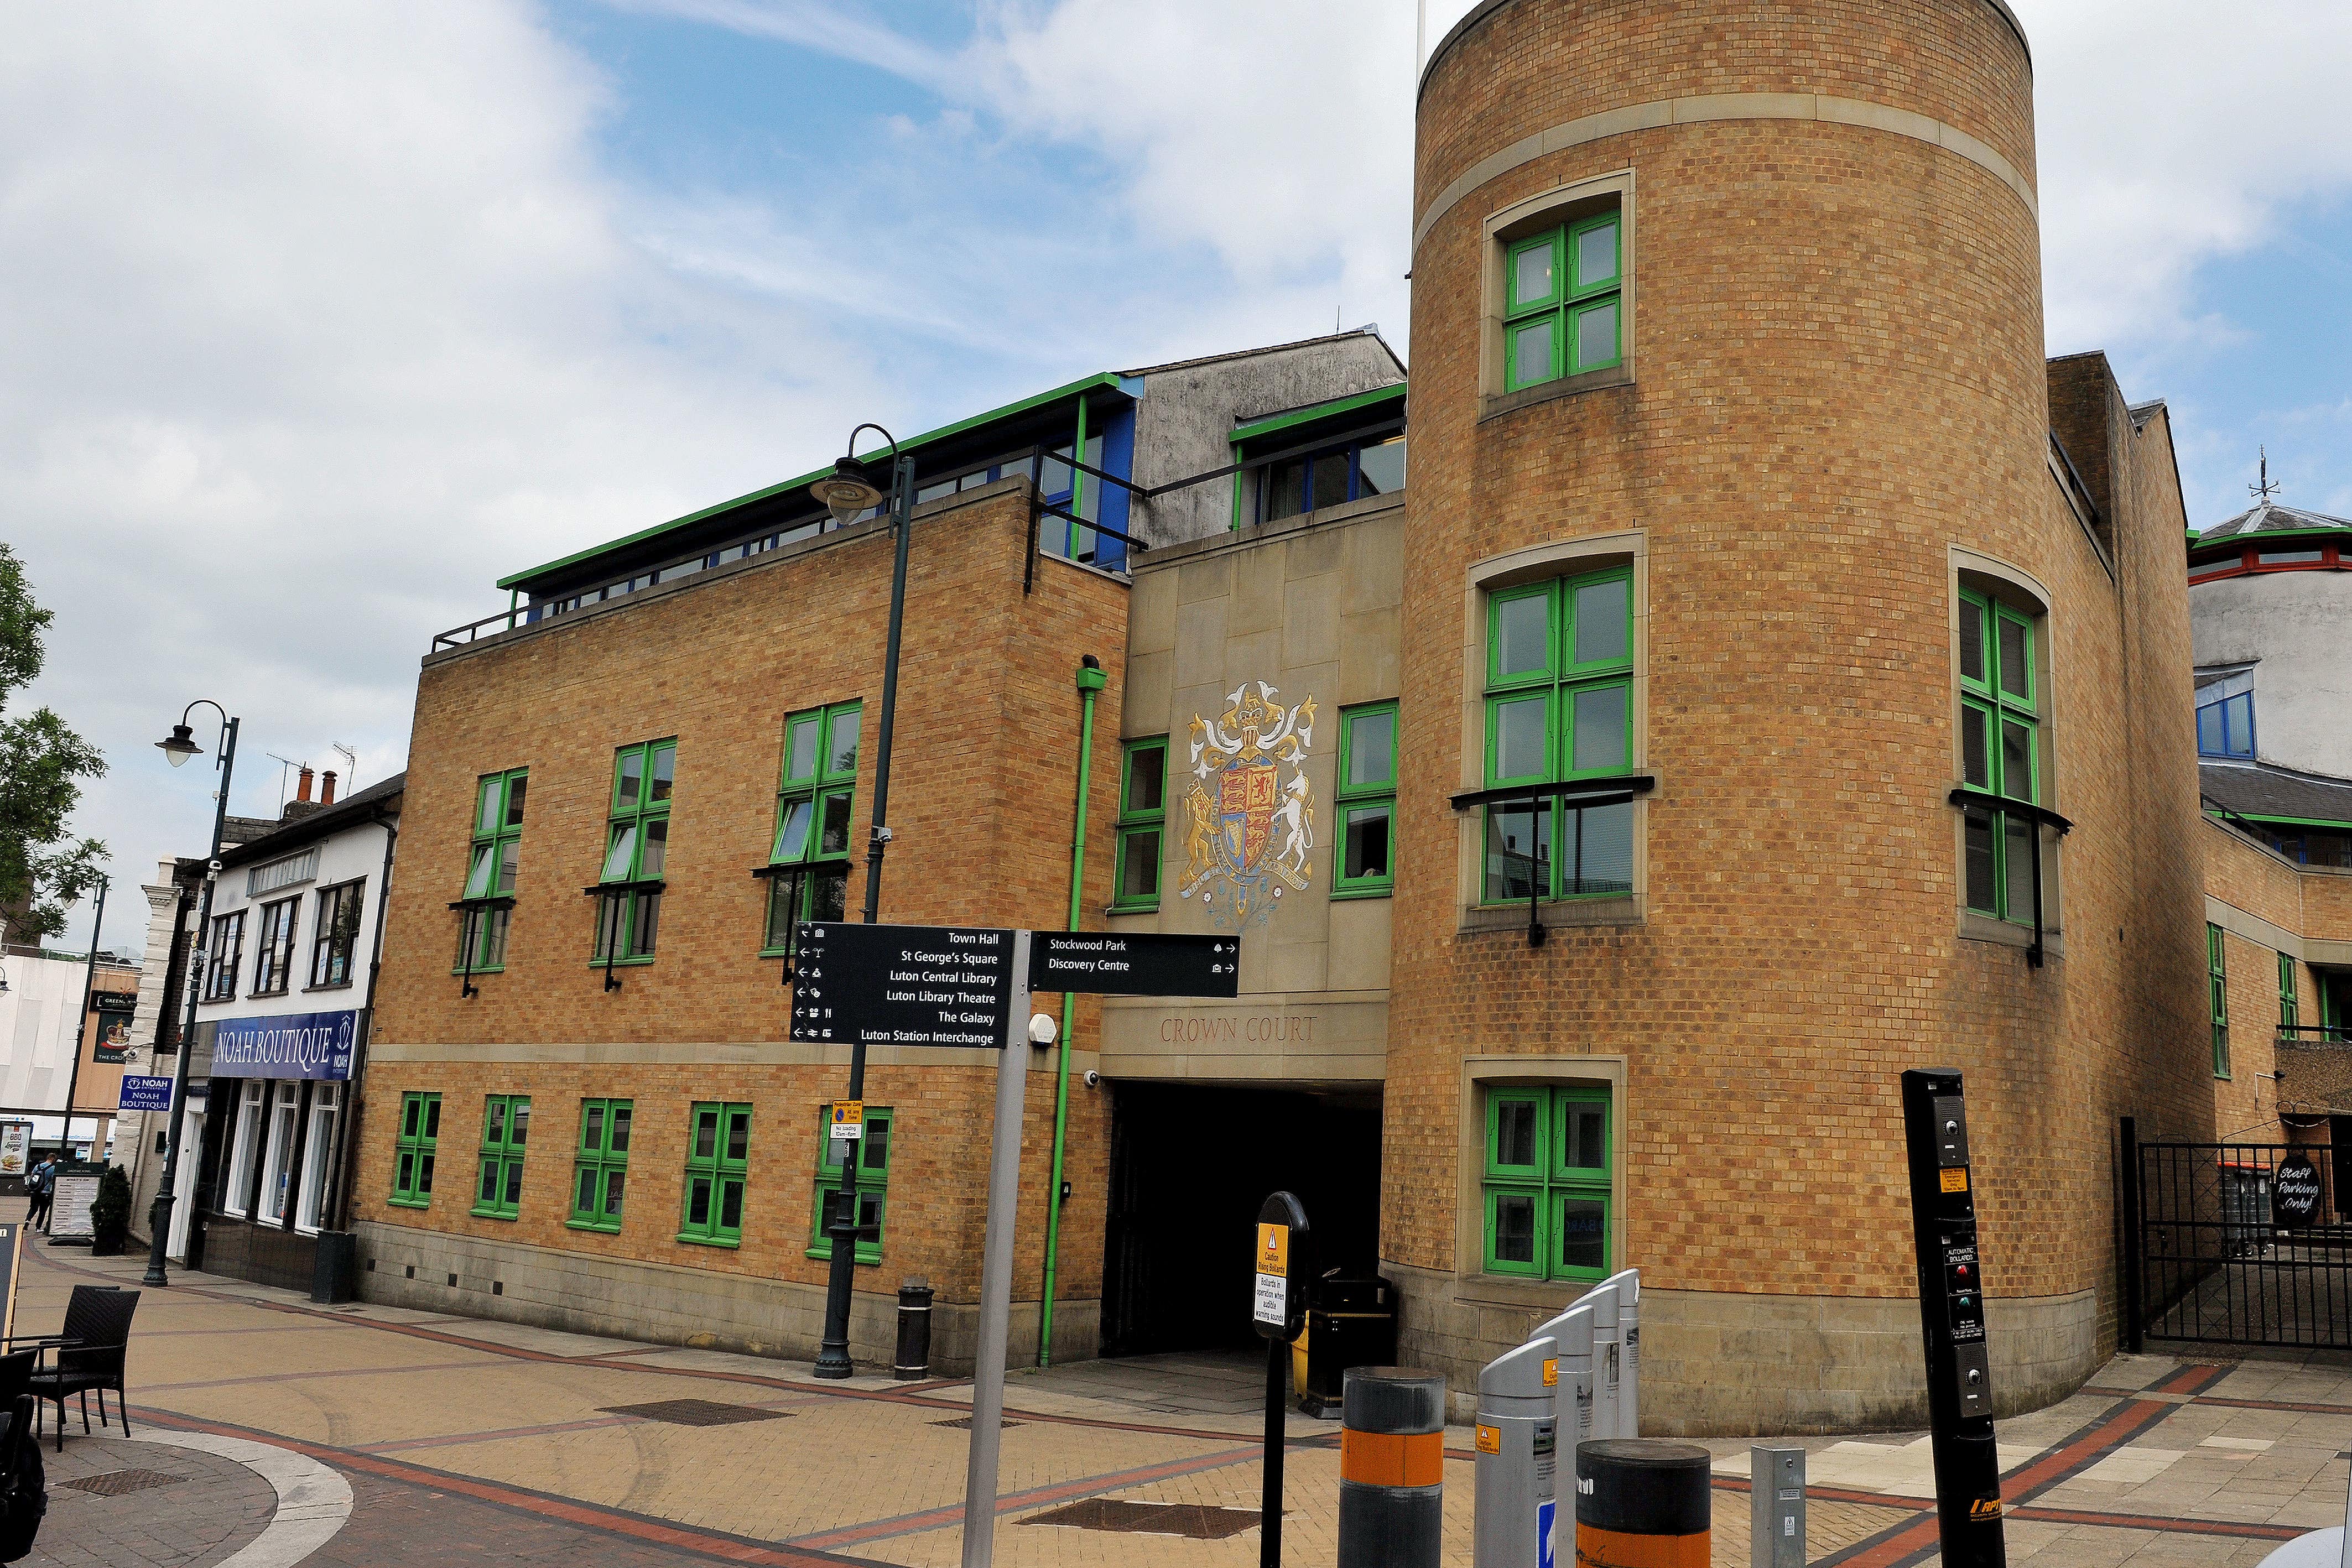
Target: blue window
1319 479
2226 728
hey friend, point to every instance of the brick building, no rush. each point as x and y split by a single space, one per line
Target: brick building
1774 675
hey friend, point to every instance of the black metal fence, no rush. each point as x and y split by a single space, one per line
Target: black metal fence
2219 1250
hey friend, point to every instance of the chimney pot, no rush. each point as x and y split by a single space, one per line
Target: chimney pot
327 795
302 784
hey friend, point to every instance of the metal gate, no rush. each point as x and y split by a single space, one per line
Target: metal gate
2219 1250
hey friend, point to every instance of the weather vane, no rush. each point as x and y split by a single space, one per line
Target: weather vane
2265 490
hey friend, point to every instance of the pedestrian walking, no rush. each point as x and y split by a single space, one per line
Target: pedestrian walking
39 1184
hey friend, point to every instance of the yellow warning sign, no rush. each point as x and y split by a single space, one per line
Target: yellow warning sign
1490 1439
847 1120
1274 1250
1551 1372
1957 1180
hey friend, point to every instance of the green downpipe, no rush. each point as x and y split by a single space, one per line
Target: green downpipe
1091 681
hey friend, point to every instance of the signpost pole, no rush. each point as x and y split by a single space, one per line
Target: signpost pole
81 1025
1277 1310
996 1271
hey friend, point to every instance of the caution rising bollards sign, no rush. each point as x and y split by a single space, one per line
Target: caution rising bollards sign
1280 1268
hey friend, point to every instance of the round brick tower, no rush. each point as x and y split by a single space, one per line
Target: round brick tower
1729 429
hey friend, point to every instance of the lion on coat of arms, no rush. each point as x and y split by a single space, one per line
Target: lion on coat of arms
1247 829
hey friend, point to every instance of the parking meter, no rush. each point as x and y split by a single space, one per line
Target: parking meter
1519 1448
1952 1313
1626 1287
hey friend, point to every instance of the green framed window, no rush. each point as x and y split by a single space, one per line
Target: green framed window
636 848
2001 745
2335 1004
813 805
1366 864
1564 302
2217 992
2290 1010
717 1158
873 1182
491 870
1546 1190
1559 706
505 1127
1143 818
413 1147
600 1166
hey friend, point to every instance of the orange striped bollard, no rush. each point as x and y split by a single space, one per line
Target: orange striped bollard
1641 1503
1391 1467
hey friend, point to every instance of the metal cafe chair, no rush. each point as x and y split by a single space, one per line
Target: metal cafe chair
90 1355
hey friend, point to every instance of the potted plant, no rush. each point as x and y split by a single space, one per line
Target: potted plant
110 1214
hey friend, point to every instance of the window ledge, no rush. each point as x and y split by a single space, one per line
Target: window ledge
592 1225
596 964
396 1203
494 1214
476 973
1340 892
710 1241
1558 913
1507 1290
1975 927
1617 375
824 1254
346 985
1151 908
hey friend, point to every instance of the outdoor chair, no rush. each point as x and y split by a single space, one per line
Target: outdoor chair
24 1488
91 1355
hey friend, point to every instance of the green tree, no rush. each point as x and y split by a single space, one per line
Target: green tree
41 763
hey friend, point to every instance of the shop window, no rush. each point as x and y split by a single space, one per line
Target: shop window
1564 308
317 1157
413 1149
2217 997
2226 728
2290 1012
1547 1186
273 956
2001 748
239 1157
1327 478
1560 707
278 1154
505 1128
809 857
336 939
1142 818
224 957
1366 865
486 911
718 1156
872 1152
600 1166
637 848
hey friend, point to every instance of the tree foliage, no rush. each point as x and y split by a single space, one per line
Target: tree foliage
42 762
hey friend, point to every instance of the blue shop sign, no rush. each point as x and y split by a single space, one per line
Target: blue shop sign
145 1093
292 1045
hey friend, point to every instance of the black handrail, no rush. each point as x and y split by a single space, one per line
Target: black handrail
1967 795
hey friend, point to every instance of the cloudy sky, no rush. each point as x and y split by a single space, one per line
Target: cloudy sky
319 319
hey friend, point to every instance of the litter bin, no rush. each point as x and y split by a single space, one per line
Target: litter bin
1351 1320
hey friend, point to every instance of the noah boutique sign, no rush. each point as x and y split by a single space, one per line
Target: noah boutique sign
316 1046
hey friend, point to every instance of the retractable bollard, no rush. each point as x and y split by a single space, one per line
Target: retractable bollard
1642 1503
1608 1351
1776 1506
914 1357
1629 1352
1518 1452
1391 1467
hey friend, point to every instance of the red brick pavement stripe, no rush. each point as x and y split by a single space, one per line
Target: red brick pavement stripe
146 1388
2168 1524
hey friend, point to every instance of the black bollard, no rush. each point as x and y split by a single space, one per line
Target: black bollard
914 1358
1391 1467
1641 1501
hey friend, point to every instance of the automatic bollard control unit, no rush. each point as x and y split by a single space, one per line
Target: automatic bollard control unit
1776 1506
1518 1452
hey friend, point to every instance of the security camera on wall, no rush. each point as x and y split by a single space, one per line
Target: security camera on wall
1094 1079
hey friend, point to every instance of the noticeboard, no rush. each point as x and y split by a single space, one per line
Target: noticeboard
75 1190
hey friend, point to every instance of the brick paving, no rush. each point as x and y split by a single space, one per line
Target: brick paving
471 1440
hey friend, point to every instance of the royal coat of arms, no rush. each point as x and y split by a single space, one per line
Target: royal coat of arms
1248 827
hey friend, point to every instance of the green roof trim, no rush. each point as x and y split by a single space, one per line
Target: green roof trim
1273 423
1104 380
2265 818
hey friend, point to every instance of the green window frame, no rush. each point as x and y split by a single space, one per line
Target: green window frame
814 801
637 848
2335 1004
1365 866
2290 1008
506 1126
491 866
1546 1192
600 1164
1564 304
1142 819
415 1146
2216 993
2000 751
873 1183
718 1172
1559 706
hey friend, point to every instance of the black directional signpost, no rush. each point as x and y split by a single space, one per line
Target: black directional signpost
903 985
1108 964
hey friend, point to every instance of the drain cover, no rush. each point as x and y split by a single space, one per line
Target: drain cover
1192 1520
964 1423
695 1413
114 1484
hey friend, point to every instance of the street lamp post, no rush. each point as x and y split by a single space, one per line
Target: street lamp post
81 1028
848 492
179 747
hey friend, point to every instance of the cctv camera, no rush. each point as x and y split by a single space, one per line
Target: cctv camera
1094 1079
